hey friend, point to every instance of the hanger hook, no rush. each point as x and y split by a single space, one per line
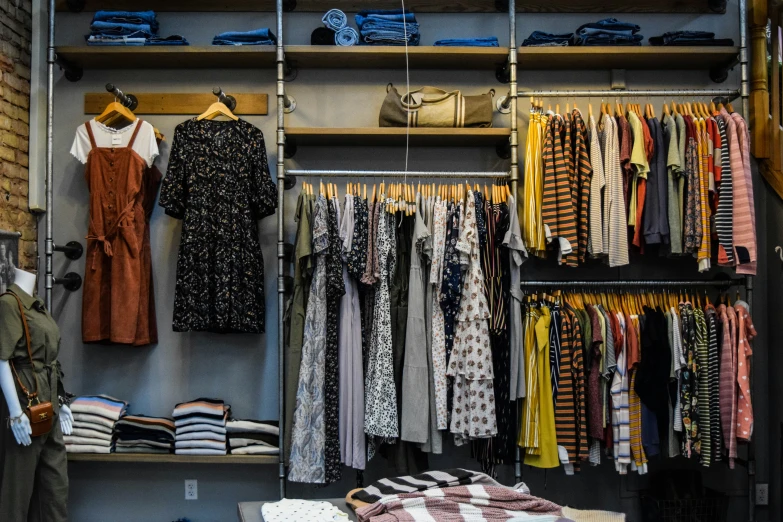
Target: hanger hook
779 251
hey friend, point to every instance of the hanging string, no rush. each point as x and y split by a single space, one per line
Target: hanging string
408 89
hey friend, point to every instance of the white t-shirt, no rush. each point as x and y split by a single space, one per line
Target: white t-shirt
290 510
145 144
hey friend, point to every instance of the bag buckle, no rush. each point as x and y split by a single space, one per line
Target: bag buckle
32 397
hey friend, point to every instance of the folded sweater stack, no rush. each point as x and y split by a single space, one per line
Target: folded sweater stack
252 437
201 427
142 434
94 418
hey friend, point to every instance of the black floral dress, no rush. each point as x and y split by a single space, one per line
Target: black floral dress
335 289
218 184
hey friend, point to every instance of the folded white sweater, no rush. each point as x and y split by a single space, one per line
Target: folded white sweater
203 444
84 448
88 441
202 435
201 427
199 451
255 450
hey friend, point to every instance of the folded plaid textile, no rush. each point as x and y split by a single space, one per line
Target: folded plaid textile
423 482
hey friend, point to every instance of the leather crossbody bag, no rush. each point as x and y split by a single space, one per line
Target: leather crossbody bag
433 107
41 414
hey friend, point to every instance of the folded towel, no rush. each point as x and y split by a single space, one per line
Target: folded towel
93 421
201 427
255 450
201 435
84 448
200 451
208 444
100 405
242 426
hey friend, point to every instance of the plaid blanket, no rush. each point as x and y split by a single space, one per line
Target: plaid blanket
473 503
423 482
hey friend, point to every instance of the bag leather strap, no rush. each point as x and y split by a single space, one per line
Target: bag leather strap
30 396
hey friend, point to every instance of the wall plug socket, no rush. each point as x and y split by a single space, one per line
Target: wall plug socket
191 490
762 494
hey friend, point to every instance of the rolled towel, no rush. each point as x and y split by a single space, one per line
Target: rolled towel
346 37
335 19
322 36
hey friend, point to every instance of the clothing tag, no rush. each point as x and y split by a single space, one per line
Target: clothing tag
116 139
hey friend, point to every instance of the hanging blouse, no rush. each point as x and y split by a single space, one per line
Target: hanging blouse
438 319
218 184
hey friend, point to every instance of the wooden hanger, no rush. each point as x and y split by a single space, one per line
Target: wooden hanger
215 110
114 113
666 109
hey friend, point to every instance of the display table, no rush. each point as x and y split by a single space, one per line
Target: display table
251 511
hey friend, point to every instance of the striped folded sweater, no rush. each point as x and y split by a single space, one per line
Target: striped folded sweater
95 422
160 426
99 405
214 408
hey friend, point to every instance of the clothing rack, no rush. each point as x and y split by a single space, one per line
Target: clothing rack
127 100
718 283
393 174
640 93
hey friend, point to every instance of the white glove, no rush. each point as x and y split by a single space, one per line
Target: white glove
66 420
22 430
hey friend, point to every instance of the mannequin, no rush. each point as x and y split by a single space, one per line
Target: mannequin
21 428
34 485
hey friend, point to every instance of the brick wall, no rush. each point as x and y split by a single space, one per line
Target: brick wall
15 36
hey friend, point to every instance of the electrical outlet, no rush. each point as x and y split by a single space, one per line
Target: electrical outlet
191 490
762 494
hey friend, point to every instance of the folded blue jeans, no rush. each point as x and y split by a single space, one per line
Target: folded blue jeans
130 17
540 38
261 36
609 39
335 19
174 39
393 15
390 38
490 41
110 28
612 24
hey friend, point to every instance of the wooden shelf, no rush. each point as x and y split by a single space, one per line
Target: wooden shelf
643 57
462 58
420 6
395 136
393 57
173 459
174 57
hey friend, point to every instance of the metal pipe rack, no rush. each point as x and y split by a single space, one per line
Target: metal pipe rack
716 283
639 93
393 174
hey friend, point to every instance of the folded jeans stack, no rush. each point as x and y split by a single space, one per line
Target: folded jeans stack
542 39
337 21
201 427
388 27
490 41
94 418
609 31
128 28
261 36
697 38
142 434
252 437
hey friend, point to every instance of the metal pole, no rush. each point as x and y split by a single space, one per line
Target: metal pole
394 174
609 93
280 57
726 283
49 241
514 174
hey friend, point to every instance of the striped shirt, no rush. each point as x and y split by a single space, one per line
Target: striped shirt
615 228
713 359
621 416
634 403
744 211
703 390
558 213
580 181
570 406
595 244
724 218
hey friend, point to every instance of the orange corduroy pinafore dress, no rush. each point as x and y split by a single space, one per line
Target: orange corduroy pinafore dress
118 268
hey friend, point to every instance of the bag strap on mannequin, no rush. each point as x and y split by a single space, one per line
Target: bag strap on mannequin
30 396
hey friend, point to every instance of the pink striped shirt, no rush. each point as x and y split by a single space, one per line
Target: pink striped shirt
744 213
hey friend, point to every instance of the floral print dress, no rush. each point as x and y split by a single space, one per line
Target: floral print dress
380 414
438 321
218 183
473 411
307 462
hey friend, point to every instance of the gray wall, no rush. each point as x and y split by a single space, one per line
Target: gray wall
242 369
